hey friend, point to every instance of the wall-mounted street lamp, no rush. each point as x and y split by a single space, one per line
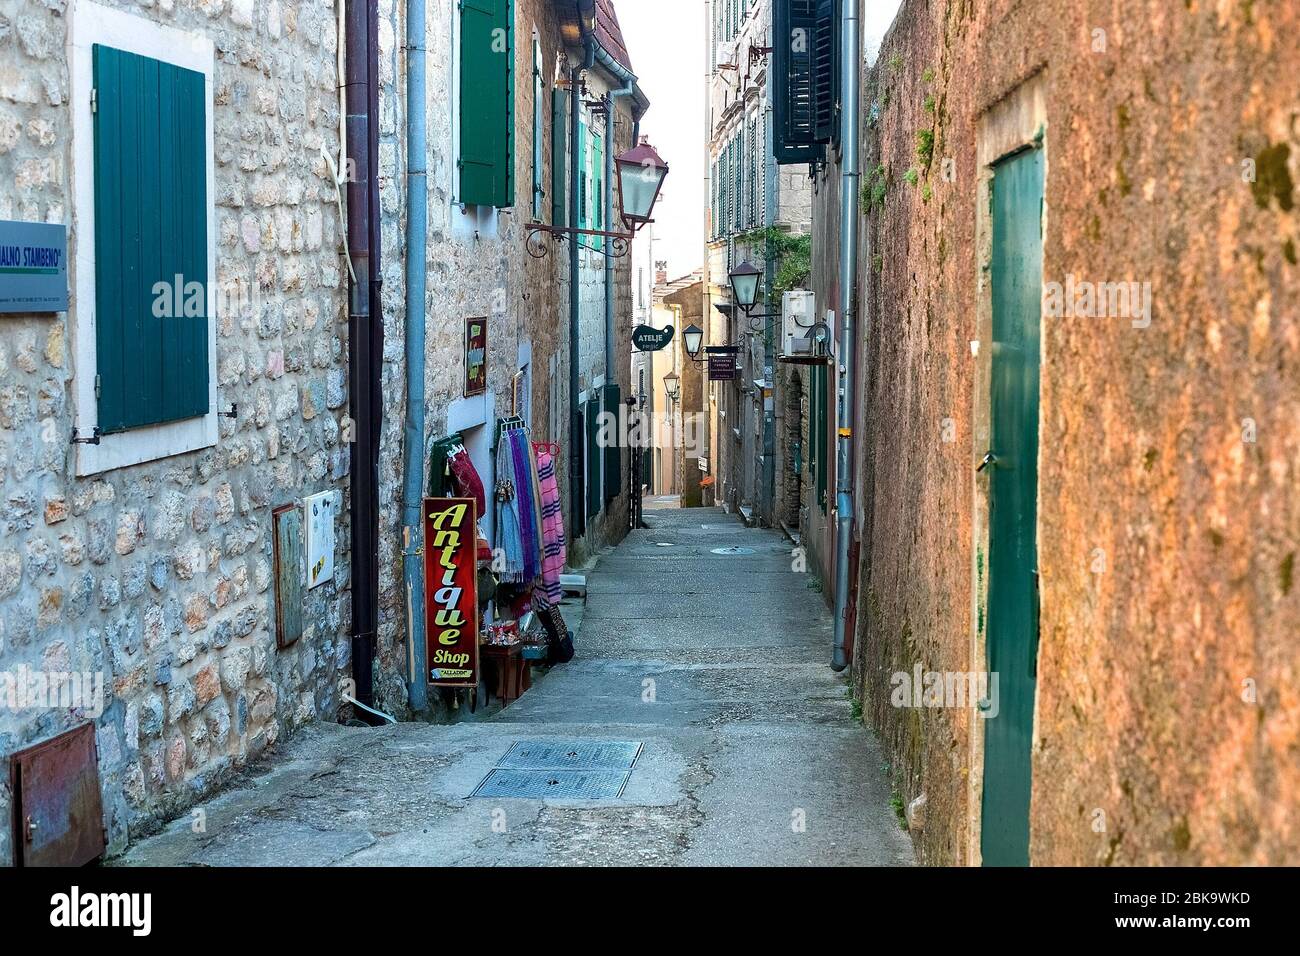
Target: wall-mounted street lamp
640 172
744 290
672 386
692 339
744 293
744 285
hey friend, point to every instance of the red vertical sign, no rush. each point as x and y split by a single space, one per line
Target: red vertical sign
451 591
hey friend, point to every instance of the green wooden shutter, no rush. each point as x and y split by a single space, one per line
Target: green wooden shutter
738 178
817 424
580 159
151 226
825 72
592 410
487 109
598 199
539 114
559 157
613 399
794 108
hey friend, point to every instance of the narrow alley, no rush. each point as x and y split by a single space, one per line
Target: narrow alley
713 663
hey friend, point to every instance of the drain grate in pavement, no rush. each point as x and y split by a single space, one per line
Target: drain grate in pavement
571 755
553 784
562 770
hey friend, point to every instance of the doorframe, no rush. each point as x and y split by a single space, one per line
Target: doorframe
1013 123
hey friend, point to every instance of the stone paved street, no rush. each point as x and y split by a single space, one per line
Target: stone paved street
716 663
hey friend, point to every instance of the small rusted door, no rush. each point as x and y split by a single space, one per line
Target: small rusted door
59 818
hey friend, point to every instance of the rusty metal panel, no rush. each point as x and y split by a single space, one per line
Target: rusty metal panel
287 547
59 819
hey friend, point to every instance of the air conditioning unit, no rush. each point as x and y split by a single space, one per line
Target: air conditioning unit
797 320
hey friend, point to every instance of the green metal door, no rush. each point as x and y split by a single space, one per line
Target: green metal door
1012 633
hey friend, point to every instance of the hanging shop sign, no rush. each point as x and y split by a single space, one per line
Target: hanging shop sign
648 339
33 266
475 356
722 362
451 591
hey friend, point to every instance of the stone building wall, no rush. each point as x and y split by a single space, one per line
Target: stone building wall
477 266
1167 716
159 576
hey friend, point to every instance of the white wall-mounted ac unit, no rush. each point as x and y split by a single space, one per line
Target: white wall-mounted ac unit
797 320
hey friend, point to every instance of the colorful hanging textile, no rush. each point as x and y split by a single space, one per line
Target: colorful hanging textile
509 535
466 478
553 543
528 506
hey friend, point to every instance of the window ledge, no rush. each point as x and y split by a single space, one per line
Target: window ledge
140 445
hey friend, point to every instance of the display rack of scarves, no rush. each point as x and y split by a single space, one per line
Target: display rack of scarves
519 508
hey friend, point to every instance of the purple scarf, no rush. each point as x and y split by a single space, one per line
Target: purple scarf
528 507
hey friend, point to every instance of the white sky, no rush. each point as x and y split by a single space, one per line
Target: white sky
666 40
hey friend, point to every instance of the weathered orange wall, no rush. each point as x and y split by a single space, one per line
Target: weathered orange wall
1144 665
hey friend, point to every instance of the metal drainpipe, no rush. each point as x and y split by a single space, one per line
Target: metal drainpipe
417 193
365 336
847 345
577 501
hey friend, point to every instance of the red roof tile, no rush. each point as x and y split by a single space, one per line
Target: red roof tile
609 34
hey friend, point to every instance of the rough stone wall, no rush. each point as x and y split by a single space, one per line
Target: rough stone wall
1166 679
817 523
477 265
159 576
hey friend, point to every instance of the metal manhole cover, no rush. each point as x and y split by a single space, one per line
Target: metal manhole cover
734 550
553 784
571 755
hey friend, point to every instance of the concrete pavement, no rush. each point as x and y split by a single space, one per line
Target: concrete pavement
715 663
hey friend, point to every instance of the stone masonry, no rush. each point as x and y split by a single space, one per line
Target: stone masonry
159 576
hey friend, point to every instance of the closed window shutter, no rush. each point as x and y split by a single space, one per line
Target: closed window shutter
559 158
580 159
739 178
539 119
613 454
487 112
825 74
151 227
726 189
794 42
593 457
598 194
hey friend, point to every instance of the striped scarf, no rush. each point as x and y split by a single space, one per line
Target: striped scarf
554 551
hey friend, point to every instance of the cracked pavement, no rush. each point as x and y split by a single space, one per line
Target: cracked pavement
716 663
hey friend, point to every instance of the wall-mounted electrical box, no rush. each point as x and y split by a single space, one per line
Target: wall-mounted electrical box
797 319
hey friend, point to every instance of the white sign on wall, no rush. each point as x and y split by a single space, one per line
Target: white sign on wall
320 511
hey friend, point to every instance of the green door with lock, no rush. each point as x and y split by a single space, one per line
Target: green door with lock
1012 468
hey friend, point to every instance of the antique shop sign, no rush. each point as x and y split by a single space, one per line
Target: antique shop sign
451 591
